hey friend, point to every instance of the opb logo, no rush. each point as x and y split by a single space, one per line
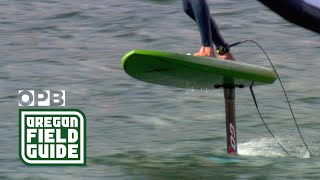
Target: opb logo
42 98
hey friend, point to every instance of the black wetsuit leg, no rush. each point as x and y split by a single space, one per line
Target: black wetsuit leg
198 10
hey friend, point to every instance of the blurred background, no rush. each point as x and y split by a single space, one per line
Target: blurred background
137 130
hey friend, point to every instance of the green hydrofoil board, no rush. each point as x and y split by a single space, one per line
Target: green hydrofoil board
187 71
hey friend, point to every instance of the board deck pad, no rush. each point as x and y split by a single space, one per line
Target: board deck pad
187 71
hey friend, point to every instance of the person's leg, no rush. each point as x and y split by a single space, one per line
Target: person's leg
198 10
216 36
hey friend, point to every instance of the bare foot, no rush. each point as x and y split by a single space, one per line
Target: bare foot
205 51
227 56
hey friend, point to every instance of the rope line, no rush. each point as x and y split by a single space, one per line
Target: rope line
285 93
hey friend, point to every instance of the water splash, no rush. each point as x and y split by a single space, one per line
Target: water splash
267 147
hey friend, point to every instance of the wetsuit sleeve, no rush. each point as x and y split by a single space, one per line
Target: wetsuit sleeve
305 13
199 11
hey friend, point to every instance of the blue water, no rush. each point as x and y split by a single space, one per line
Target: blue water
137 130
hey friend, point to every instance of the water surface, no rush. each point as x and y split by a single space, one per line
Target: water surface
137 130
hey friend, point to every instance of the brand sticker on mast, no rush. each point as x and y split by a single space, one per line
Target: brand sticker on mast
50 136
